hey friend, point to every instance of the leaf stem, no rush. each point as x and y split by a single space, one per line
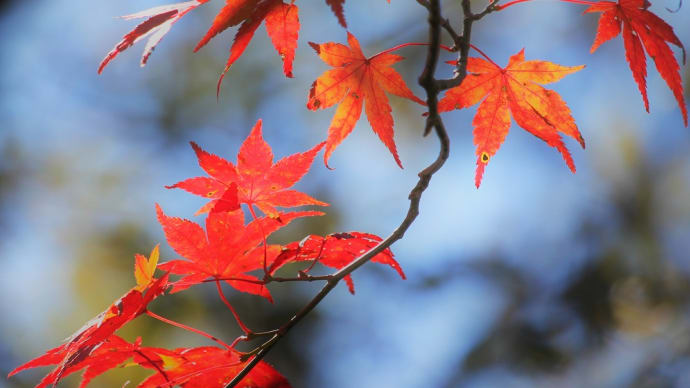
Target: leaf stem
188 328
398 47
511 3
585 2
316 260
233 279
244 327
238 340
501 7
484 55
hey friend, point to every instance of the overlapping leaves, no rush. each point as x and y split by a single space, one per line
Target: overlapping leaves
282 24
210 366
281 19
206 366
85 343
226 251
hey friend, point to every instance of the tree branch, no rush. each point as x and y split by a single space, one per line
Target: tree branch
462 43
433 121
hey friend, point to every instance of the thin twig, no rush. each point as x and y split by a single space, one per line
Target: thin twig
445 23
303 277
463 45
229 279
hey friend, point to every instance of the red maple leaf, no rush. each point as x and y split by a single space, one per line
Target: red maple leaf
158 23
357 80
255 180
87 340
282 25
226 251
642 28
513 89
110 353
336 251
210 367
186 367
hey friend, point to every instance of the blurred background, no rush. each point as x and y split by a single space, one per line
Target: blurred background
541 278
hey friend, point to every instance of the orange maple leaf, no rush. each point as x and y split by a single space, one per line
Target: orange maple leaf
513 89
354 81
642 28
256 180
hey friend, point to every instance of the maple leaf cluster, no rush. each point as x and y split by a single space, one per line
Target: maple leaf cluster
514 90
357 81
228 251
248 199
281 20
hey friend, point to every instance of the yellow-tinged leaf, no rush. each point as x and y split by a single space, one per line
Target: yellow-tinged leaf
330 89
542 72
170 362
153 260
144 268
